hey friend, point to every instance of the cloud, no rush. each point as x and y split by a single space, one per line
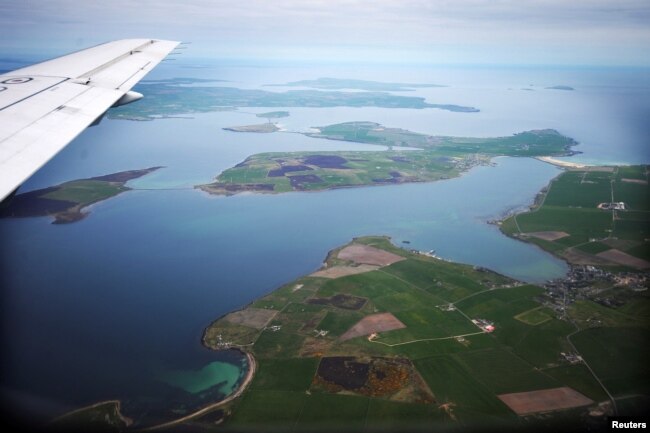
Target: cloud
599 26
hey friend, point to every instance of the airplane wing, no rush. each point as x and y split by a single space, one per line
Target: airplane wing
44 106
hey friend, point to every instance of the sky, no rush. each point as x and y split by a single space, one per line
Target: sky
522 32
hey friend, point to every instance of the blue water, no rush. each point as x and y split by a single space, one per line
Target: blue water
134 284
96 309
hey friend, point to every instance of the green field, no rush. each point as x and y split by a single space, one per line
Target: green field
85 192
438 158
591 235
619 356
536 316
451 382
522 354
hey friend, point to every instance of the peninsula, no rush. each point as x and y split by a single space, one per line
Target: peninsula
597 215
66 202
438 158
381 336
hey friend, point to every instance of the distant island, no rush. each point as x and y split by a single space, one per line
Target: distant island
261 128
438 158
340 83
274 114
65 202
561 88
184 81
167 98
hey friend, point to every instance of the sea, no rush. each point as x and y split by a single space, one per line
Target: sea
114 306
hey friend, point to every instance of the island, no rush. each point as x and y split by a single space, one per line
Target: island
341 83
66 202
274 114
438 158
261 128
560 87
167 98
386 337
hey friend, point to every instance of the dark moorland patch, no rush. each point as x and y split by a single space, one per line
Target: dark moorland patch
325 161
278 172
340 300
298 181
374 377
32 204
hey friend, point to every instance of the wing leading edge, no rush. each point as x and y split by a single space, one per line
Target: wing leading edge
45 106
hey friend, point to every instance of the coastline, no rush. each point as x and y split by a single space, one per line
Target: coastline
250 374
79 196
118 406
128 422
610 255
559 163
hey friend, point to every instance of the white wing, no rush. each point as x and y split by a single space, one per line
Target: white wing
44 106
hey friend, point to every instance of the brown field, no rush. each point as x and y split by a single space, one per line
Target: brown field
256 318
545 400
314 347
343 271
618 256
577 257
620 244
368 255
548 236
381 322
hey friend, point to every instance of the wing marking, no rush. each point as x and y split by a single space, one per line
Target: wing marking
45 106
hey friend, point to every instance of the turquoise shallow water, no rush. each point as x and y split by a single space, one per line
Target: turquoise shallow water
221 374
116 303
